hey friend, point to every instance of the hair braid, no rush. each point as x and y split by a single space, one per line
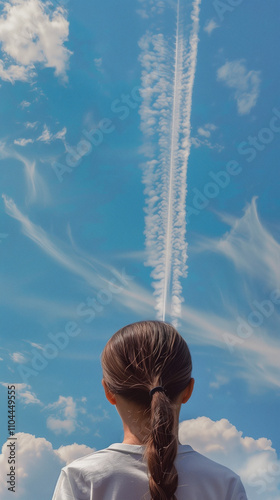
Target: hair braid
161 449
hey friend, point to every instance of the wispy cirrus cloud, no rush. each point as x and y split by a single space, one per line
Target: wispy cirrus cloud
244 82
249 246
95 273
37 187
256 357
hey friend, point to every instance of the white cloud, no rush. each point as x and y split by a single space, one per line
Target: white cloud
202 131
15 72
34 344
47 136
95 273
210 26
210 126
257 255
205 131
23 142
17 357
36 186
58 425
219 381
153 7
73 451
25 104
67 411
38 466
31 124
24 393
61 134
197 143
254 254
30 35
253 459
245 83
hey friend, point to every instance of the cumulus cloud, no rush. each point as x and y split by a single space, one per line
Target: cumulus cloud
246 84
253 459
73 451
29 35
38 466
67 411
15 72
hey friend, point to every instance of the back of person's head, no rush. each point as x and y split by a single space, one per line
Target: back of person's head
137 358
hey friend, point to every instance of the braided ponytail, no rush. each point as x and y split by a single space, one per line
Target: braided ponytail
137 358
161 449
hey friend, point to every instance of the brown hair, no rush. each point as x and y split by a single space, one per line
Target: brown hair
137 358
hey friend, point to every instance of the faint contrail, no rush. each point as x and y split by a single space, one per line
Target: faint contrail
166 111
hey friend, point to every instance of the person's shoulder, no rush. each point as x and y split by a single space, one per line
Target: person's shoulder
199 461
95 457
211 474
201 466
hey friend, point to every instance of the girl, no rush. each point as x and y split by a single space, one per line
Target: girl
147 375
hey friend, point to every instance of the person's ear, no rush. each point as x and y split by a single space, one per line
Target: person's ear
109 395
188 391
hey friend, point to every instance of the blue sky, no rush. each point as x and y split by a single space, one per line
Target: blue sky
76 137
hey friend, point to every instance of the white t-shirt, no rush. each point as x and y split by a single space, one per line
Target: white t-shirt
119 473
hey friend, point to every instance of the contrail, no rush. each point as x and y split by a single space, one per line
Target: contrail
166 110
